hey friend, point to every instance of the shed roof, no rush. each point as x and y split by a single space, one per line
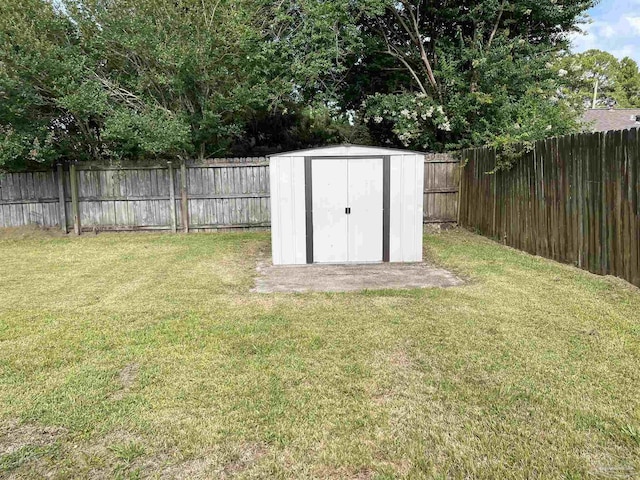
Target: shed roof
605 119
338 150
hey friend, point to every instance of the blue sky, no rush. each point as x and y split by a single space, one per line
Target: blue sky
614 27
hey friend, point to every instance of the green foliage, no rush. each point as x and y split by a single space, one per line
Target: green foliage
131 134
129 79
41 69
313 42
616 82
144 79
628 84
485 65
16 147
200 62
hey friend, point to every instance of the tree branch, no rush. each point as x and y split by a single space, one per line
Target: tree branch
417 39
495 27
399 56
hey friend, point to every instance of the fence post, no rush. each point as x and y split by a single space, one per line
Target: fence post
172 199
75 204
461 160
62 207
185 201
494 181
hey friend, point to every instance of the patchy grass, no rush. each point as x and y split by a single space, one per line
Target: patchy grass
146 356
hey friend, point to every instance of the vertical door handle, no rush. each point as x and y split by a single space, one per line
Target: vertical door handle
347 210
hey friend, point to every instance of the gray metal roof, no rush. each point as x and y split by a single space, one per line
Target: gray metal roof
395 150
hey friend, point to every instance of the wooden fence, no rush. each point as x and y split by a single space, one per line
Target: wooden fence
223 194
441 178
218 194
573 199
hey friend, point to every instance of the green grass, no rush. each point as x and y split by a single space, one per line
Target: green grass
147 356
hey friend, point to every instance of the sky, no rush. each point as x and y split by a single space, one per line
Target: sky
614 27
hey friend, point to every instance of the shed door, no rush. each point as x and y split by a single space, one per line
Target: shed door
330 227
347 210
365 204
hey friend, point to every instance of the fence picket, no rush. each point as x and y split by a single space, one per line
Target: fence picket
573 199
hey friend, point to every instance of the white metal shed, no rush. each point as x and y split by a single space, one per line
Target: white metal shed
346 204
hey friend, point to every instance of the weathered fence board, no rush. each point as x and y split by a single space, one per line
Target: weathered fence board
573 199
441 178
216 194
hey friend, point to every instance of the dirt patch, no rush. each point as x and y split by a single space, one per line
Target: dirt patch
381 397
205 467
198 468
364 474
398 365
347 473
402 468
129 374
404 374
400 359
247 455
14 436
127 378
101 446
97 457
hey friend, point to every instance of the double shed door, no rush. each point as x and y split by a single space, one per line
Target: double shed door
347 204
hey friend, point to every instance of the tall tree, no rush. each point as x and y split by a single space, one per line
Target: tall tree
598 79
136 79
185 65
42 112
628 84
473 72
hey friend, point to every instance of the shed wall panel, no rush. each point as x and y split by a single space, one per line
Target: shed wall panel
288 215
395 208
405 242
274 188
408 226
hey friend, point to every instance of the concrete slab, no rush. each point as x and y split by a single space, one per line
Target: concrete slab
348 278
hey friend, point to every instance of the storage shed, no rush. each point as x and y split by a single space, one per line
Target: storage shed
346 204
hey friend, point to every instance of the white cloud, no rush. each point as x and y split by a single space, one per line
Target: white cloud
607 30
634 23
614 27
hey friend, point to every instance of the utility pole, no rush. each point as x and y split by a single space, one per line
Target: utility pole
595 93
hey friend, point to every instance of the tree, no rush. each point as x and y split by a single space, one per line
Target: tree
197 68
41 66
627 84
466 74
138 79
149 79
597 79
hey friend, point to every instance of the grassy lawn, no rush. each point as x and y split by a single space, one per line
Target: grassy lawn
147 356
